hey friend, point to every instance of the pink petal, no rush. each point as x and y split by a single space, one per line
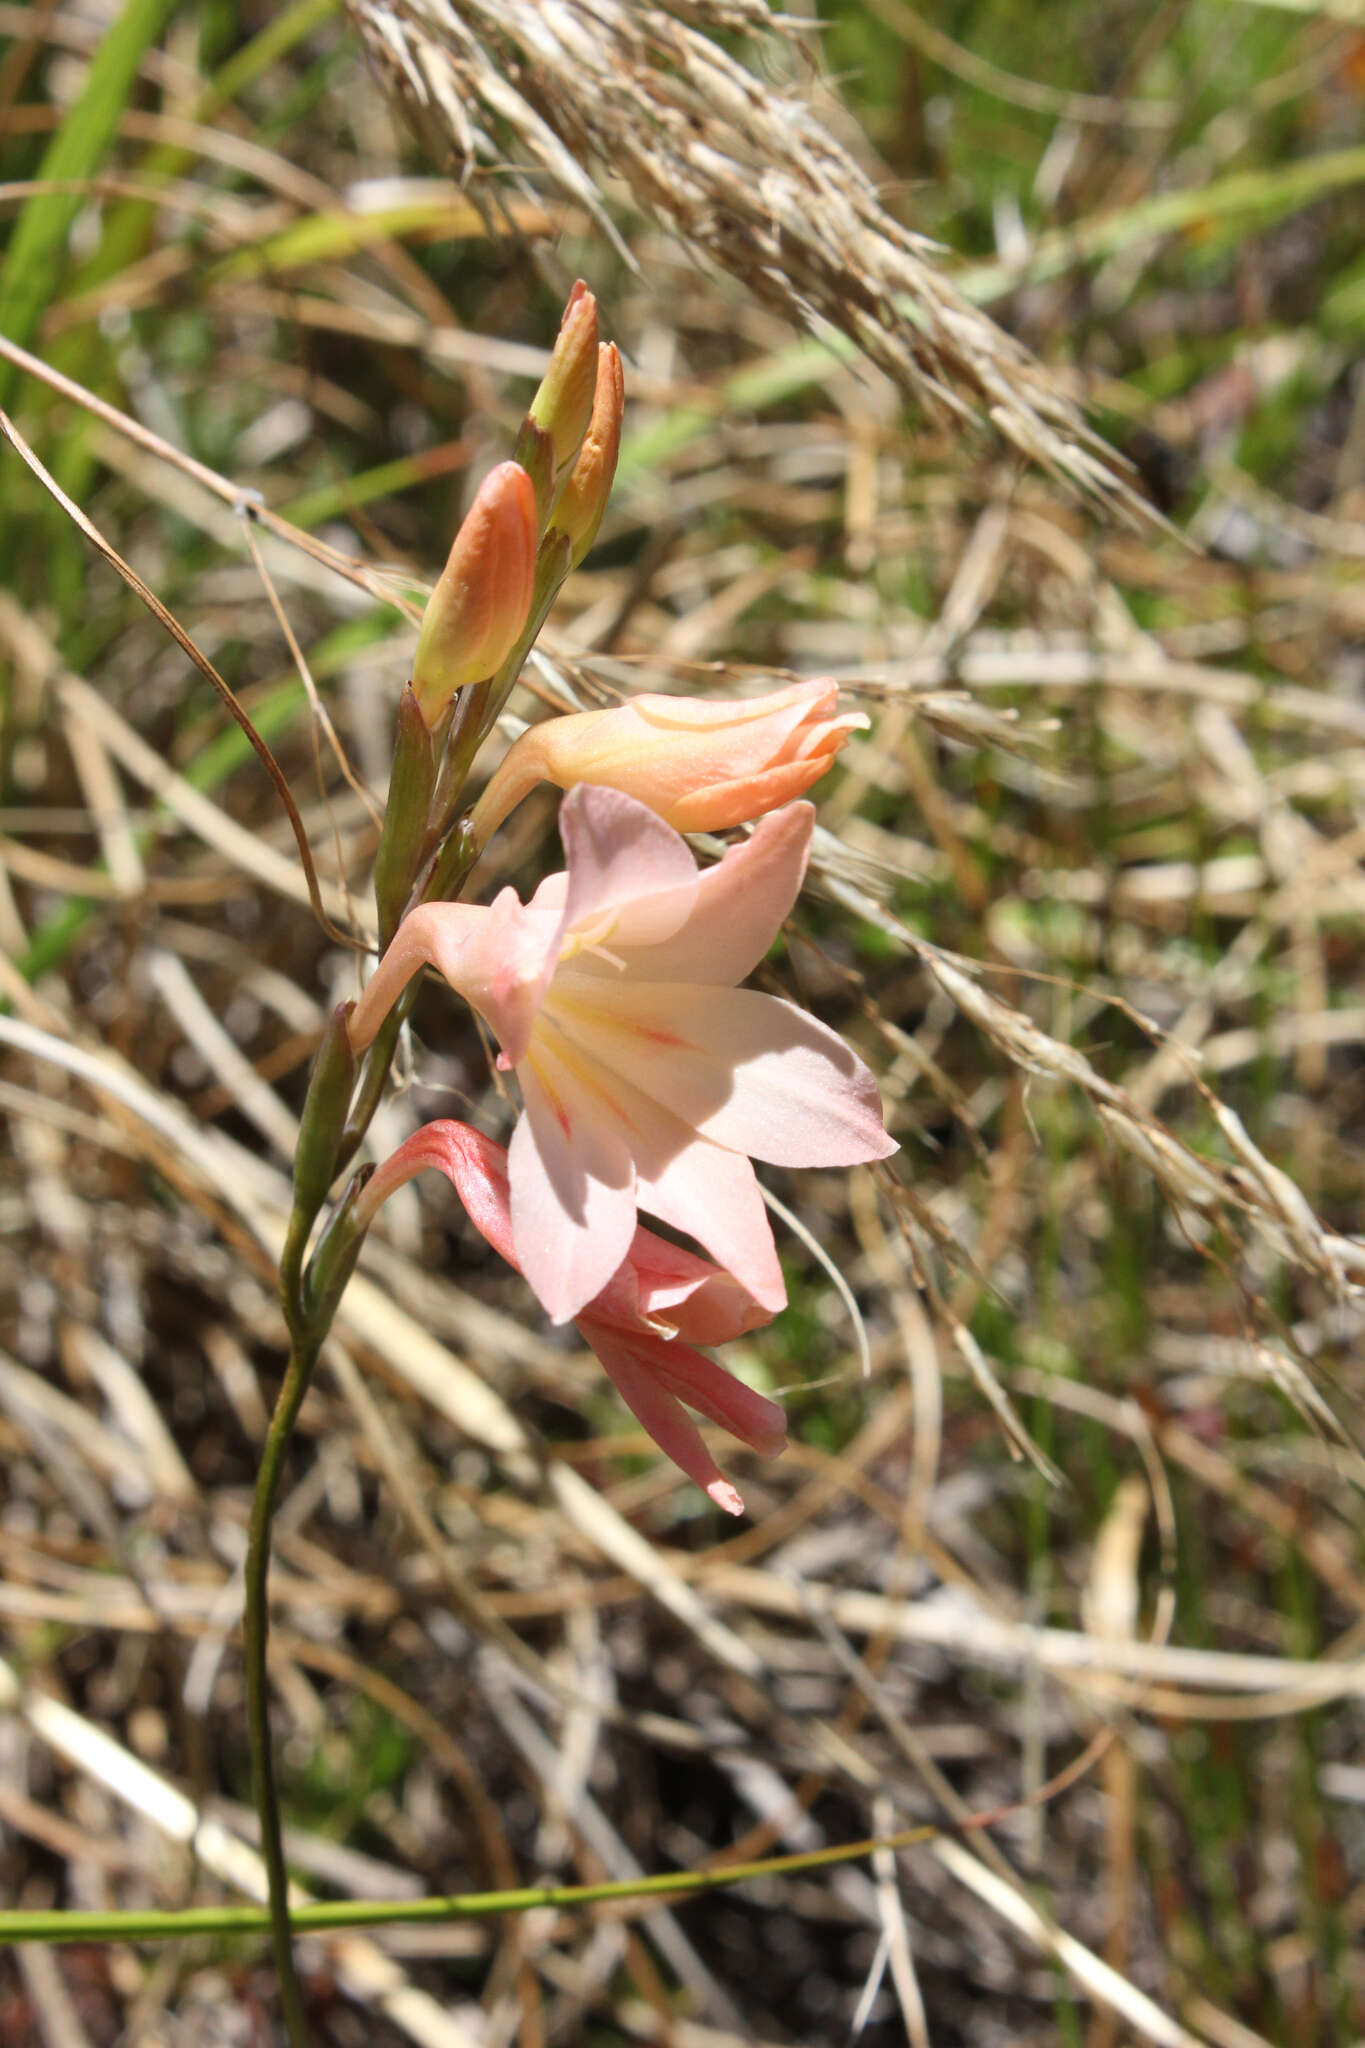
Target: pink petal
717 1394
690 1184
698 1299
749 1071
661 1414
623 859
738 908
663 1284
500 964
713 1195
573 1198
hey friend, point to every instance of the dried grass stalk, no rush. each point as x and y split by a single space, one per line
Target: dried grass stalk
742 171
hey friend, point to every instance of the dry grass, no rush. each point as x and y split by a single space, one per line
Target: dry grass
1084 1544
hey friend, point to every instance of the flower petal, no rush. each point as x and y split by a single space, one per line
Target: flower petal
701 1188
738 908
713 1195
749 1071
502 965
715 1393
663 1285
700 1300
623 859
723 804
659 1412
573 1198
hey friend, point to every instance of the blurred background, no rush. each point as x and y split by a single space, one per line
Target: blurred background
1005 362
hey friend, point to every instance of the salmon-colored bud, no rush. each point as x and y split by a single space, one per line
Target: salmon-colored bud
583 500
480 605
563 405
701 766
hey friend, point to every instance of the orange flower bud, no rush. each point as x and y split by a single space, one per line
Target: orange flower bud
477 611
563 404
700 765
583 500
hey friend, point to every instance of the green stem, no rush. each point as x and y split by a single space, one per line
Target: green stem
303 1355
444 877
335 1915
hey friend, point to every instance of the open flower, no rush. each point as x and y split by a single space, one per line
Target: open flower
648 1079
701 765
660 1301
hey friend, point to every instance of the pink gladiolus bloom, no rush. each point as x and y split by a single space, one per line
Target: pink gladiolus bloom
660 1301
648 1079
701 766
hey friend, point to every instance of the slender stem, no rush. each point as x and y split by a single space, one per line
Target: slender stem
255 1631
332 1915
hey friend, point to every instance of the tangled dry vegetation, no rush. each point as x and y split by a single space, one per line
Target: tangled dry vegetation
1069 1532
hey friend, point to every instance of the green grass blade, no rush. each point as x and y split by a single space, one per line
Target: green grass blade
34 258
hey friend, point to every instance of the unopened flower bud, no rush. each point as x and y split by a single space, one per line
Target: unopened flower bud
324 1112
562 406
478 609
700 765
583 500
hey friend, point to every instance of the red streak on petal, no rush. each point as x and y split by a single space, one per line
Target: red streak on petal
561 1114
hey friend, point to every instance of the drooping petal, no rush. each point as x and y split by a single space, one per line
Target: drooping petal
573 1197
660 1413
716 1394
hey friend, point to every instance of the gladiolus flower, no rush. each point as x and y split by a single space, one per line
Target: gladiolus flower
476 613
647 1078
583 501
659 1303
701 766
